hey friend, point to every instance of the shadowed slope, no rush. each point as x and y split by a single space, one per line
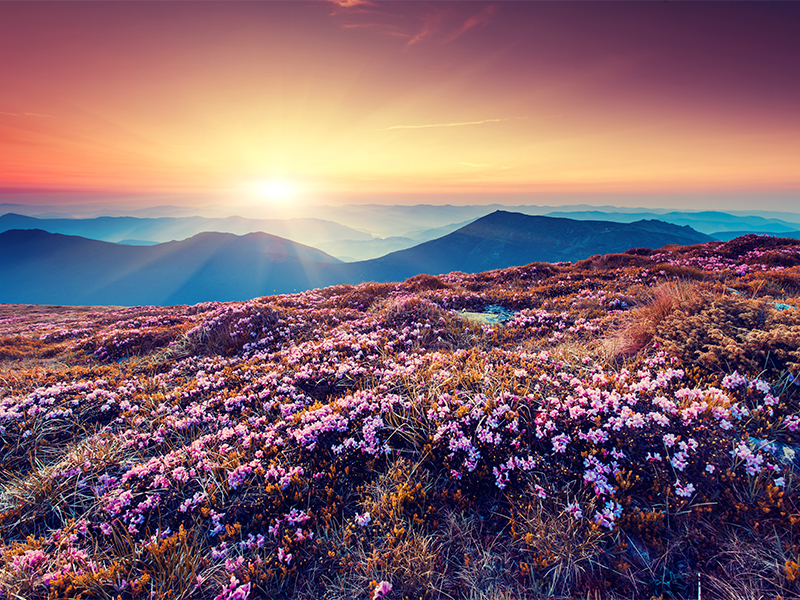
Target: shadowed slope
503 239
39 267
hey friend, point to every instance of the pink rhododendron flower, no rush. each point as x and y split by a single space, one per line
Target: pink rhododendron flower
383 588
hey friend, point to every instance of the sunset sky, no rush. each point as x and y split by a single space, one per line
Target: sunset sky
357 101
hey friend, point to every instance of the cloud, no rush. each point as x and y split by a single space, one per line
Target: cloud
351 3
27 114
469 164
382 27
458 124
415 21
439 21
431 23
475 21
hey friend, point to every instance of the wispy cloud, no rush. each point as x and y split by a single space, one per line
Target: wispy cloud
431 23
27 114
458 124
382 27
416 22
469 164
475 21
351 3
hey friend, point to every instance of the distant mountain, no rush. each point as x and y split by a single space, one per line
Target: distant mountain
425 235
359 250
708 221
362 222
399 220
37 267
503 239
75 206
164 229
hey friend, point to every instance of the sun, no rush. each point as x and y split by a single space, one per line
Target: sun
276 191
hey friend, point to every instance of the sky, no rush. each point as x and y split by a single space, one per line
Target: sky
355 101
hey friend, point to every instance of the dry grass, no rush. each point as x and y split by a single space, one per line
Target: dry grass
751 568
560 552
642 324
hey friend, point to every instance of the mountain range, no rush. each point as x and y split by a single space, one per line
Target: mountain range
137 230
719 225
502 239
37 267
361 232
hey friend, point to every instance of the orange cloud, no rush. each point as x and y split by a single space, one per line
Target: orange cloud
351 3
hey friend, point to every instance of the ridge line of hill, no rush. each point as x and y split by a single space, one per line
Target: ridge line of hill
42 268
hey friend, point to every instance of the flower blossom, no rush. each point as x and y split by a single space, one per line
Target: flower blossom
383 588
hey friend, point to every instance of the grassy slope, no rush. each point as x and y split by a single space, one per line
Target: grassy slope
317 445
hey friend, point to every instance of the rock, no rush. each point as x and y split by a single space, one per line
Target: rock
788 456
492 315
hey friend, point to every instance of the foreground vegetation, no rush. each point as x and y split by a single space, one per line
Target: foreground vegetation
624 427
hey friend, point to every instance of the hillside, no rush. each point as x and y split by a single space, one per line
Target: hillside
502 239
41 268
630 428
